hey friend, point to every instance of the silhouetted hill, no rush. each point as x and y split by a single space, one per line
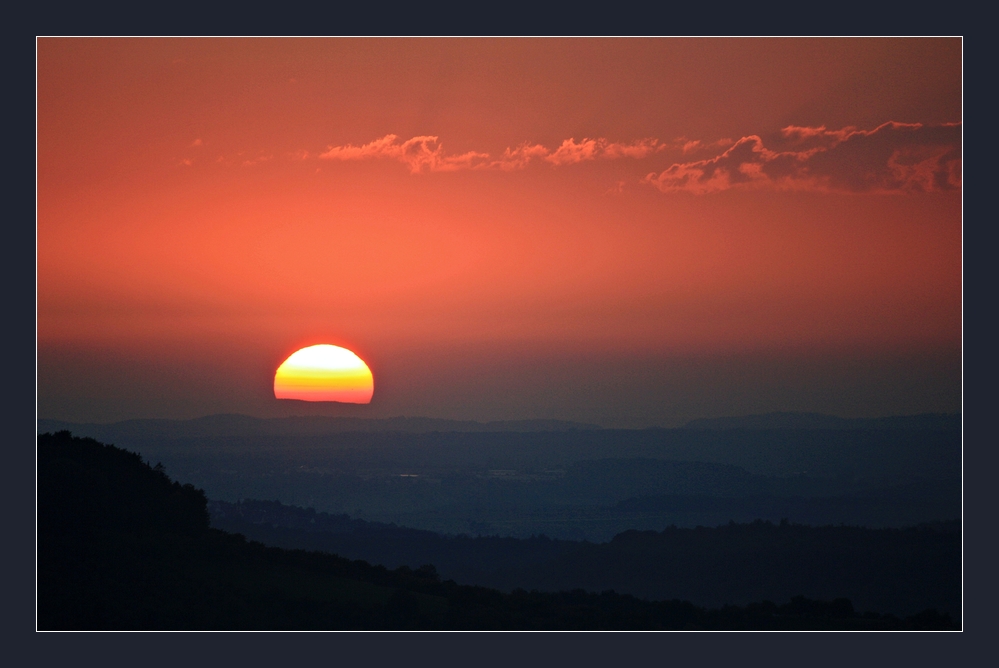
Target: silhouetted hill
779 420
120 546
896 570
462 558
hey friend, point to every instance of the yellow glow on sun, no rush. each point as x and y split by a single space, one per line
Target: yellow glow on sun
324 373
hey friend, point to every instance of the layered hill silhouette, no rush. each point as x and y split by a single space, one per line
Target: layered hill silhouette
902 571
121 546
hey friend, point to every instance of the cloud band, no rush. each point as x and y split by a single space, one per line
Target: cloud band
894 157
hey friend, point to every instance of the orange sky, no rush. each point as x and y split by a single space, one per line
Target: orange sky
629 232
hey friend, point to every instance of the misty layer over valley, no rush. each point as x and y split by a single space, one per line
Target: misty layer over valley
565 480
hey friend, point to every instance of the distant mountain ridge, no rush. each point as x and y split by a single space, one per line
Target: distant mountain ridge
243 425
786 420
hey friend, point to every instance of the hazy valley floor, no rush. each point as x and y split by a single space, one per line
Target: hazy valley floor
570 482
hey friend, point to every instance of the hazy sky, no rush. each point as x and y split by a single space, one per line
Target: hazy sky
628 231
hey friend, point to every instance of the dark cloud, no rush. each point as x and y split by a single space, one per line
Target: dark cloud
894 157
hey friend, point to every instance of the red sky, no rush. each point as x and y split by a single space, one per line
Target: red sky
629 232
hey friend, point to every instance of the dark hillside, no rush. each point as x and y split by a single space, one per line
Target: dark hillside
122 547
901 571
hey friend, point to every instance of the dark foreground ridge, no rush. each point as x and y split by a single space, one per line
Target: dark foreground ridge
120 546
902 571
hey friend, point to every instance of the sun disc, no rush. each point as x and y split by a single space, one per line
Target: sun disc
324 373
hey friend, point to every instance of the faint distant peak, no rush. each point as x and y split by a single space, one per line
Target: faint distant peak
785 420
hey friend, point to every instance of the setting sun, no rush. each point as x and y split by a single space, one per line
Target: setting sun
324 373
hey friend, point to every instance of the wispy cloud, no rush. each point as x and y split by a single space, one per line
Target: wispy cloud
571 152
893 157
697 146
520 157
426 153
420 154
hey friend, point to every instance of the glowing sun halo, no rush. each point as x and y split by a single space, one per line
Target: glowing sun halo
324 373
